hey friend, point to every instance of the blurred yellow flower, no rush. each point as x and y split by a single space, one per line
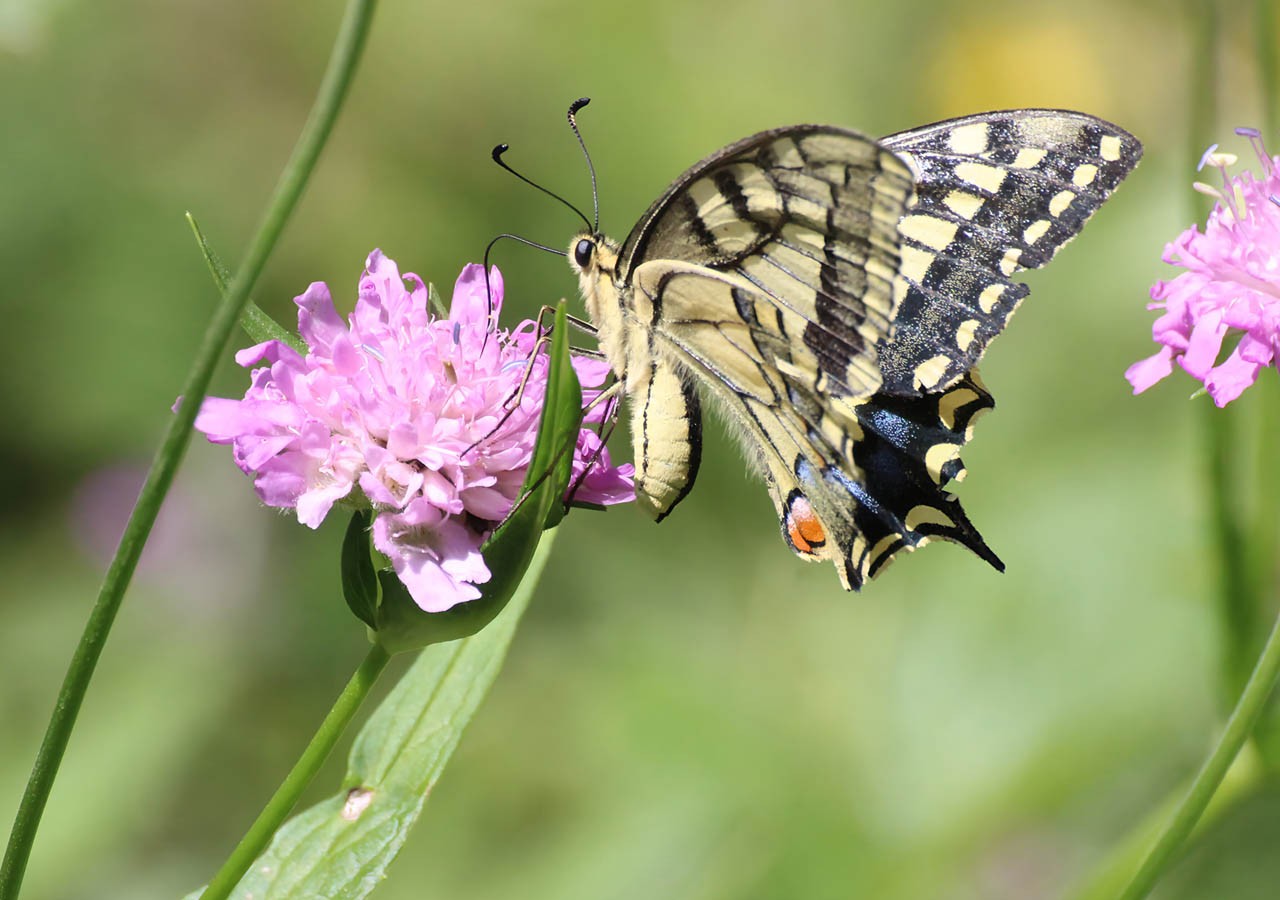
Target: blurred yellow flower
998 62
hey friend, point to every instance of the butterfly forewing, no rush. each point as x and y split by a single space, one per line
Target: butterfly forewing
808 216
996 193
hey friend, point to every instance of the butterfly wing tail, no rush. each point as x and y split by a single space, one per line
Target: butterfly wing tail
908 451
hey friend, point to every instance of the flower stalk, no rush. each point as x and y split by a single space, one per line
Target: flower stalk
333 90
1239 726
304 770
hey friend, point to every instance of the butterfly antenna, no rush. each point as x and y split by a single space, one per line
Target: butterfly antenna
521 240
488 289
573 123
497 157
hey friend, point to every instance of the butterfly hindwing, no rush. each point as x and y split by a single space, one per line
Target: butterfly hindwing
727 334
853 480
996 193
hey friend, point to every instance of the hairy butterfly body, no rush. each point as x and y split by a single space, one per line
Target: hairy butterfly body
833 293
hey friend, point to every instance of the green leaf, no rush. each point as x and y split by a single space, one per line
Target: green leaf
437 305
400 623
340 848
359 580
257 324
562 383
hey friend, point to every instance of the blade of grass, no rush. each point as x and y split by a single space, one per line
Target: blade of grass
333 90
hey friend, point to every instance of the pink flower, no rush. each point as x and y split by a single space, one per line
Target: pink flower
417 413
1231 286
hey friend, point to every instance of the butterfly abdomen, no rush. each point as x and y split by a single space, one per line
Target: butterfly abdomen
666 434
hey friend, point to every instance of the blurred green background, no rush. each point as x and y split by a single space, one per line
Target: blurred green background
688 711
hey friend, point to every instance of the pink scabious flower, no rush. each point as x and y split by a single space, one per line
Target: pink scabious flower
427 417
1231 285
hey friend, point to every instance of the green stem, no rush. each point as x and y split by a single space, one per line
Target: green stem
1264 524
1239 726
1108 879
1245 568
1237 584
333 89
304 770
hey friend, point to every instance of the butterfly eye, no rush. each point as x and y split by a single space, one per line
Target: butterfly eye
582 253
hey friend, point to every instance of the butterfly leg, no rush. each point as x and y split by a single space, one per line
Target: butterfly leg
512 402
608 397
543 331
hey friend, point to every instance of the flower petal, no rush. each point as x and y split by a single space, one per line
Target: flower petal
472 302
1205 344
1143 374
440 566
1227 381
1230 285
318 321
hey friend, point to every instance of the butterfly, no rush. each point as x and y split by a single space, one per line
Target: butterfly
833 293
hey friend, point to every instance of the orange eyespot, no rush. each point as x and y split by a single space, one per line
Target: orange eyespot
802 527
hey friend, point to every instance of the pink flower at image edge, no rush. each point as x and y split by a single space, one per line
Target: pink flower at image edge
415 412
1231 286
